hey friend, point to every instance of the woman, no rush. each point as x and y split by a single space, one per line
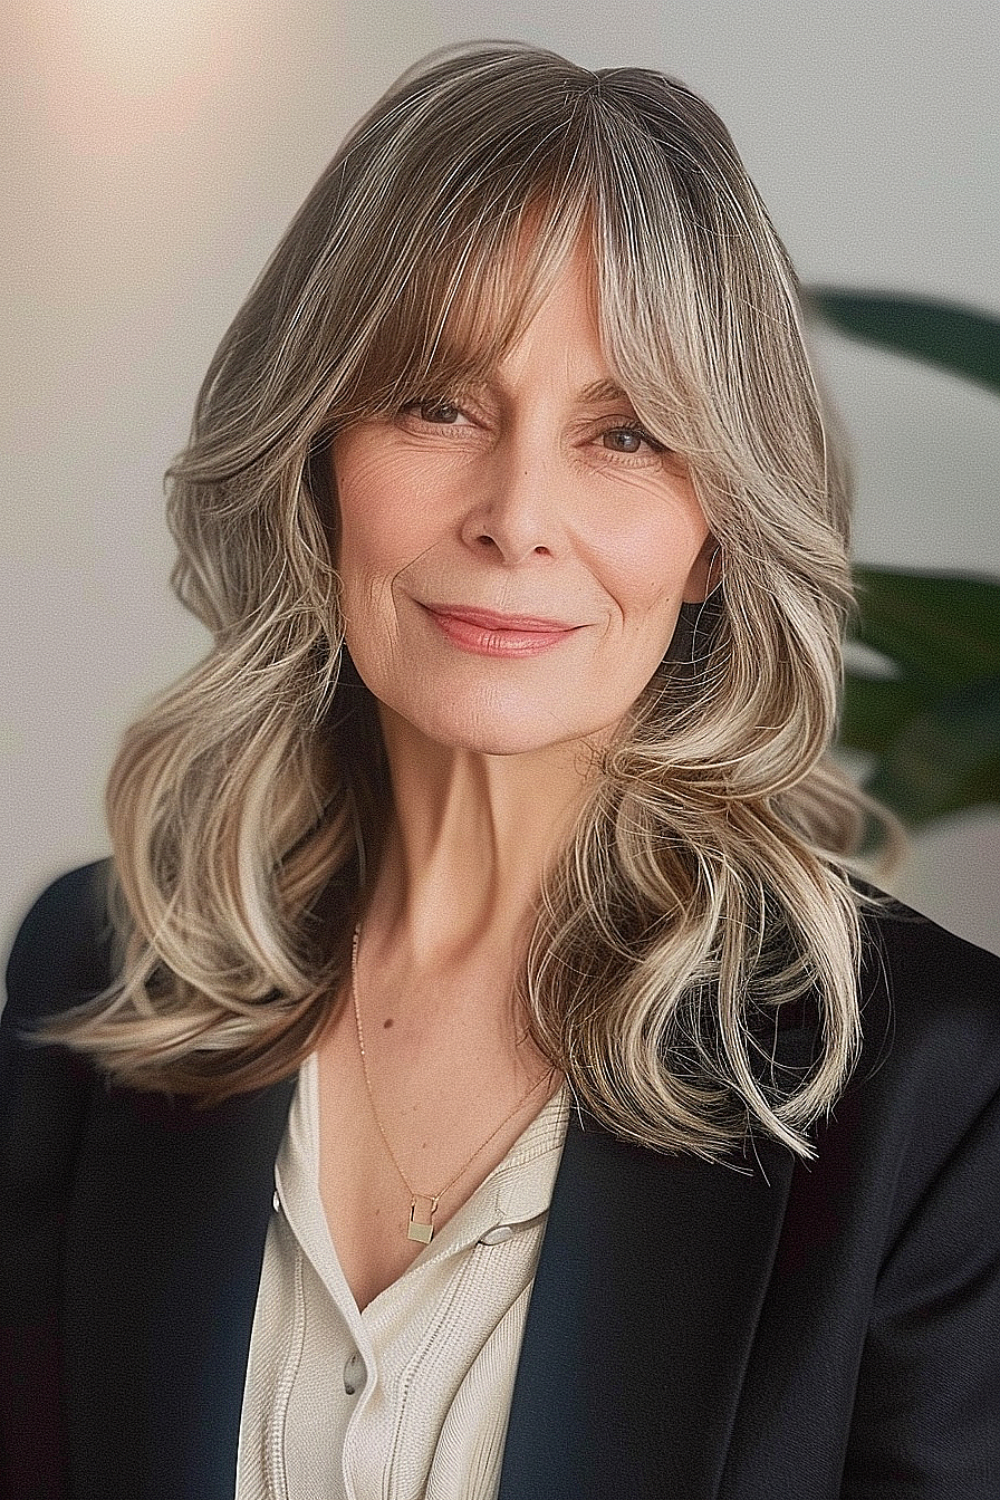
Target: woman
480 931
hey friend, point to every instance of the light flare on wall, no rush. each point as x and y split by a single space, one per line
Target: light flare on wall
118 73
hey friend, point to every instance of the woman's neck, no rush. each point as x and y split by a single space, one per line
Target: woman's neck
467 849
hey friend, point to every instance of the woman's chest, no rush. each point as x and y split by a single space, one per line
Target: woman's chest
406 1143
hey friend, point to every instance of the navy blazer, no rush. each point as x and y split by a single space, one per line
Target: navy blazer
760 1330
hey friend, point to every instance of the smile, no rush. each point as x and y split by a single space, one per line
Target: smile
518 639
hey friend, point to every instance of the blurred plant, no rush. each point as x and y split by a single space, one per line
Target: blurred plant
922 688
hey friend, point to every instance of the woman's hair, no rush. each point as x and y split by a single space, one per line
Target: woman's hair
704 882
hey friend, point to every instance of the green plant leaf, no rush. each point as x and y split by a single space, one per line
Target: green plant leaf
932 717
961 339
874 709
945 758
941 628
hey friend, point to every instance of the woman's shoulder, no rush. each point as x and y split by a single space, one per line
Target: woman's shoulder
61 954
930 1003
910 953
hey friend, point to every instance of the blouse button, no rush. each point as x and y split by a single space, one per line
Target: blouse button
496 1236
353 1373
276 1201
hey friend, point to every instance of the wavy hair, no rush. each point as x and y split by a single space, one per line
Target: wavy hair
704 883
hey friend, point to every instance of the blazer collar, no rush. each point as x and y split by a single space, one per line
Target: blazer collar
649 1284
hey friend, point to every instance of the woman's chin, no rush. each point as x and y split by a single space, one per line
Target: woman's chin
494 731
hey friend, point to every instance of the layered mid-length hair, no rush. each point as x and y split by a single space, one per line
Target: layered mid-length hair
704 883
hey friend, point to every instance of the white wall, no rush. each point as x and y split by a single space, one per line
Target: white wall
156 153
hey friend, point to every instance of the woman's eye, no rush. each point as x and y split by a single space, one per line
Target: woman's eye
444 412
629 440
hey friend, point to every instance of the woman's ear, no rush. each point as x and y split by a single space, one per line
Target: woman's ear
706 572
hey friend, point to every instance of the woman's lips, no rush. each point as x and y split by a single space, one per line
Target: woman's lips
489 634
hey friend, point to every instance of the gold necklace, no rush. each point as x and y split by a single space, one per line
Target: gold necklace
418 1228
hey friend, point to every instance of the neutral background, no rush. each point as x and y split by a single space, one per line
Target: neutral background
158 150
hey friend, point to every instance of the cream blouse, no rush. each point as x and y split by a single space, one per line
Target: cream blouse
409 1399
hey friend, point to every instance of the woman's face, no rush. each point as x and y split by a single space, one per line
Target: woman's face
536 495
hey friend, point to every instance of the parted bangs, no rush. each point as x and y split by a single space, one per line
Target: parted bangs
453 225
466 302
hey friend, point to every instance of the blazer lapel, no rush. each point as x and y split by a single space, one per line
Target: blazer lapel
649 1286
165 1248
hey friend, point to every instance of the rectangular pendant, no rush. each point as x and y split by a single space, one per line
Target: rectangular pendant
421 1229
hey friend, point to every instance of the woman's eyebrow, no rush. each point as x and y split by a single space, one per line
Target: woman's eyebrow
603 390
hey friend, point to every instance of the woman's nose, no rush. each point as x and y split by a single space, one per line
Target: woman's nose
515 511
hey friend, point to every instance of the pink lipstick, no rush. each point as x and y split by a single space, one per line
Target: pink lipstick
488 633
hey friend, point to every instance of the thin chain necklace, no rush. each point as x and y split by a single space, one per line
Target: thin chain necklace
421 1225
